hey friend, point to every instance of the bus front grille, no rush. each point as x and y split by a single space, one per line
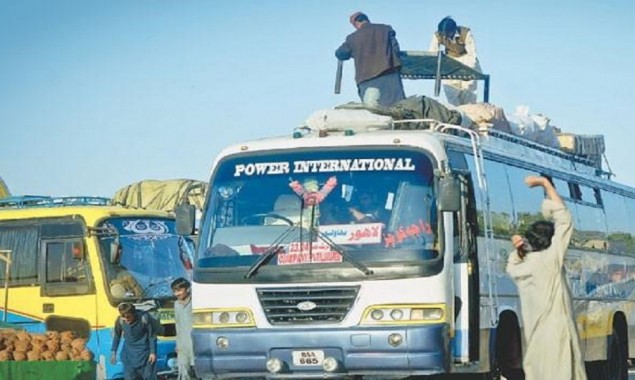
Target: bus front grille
307 305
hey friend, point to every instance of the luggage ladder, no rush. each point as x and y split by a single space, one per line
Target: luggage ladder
492 285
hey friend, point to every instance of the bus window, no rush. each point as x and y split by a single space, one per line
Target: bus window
589 225
498 187
65 268
24 267
589 228
525 199
619 237
588 195
630 208
63 264
598 197
576 193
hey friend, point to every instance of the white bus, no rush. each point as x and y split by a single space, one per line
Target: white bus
374 253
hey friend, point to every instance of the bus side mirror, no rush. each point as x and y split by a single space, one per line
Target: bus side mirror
115 251
185 217
449 194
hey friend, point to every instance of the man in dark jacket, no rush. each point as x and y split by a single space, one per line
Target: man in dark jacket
377 65
139 347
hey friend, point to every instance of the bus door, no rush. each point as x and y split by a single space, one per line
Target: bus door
66 281
466 279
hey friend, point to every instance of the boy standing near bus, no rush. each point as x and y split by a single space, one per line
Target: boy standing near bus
537 268
138 354
183 321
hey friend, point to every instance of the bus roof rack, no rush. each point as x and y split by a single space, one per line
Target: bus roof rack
26 201
417 64
535 145
589 160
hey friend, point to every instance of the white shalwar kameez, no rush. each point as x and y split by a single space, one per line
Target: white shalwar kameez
459 92
553 349
185 352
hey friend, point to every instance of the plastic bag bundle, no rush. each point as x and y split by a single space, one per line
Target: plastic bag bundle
536 127
357 120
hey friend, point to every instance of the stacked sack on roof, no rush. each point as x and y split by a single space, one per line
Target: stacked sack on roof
51 346
485 115
536 128
533 127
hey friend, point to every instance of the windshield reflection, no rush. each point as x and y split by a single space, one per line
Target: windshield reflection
143 258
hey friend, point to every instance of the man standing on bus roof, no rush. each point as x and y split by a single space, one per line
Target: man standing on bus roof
459 44
537 268
375 50
138 354
183 323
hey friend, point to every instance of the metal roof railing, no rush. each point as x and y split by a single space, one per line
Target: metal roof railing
27 201
416 64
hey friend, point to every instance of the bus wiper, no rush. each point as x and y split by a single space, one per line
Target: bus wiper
344 253
152 285
273 249
334 246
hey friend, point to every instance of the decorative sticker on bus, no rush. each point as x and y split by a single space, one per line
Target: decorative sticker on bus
324 166
368 233
145 226
404 233
305 252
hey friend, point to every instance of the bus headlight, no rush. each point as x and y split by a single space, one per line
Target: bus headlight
241 317
404 314
396 314
215 318
377 314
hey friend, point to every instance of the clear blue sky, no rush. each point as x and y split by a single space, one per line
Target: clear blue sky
95 95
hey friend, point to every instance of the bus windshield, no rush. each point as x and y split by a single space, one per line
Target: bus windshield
142 257
311 207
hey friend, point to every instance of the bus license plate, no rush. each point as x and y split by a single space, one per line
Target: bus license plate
166 315
306 358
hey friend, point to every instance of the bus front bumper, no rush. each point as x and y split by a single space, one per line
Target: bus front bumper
302 353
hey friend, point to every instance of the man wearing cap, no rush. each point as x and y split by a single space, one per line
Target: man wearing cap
459 44
377 65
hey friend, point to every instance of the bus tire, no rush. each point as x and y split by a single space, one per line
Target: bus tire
506 359
616 365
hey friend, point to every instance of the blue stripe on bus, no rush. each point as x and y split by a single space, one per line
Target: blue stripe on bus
357 349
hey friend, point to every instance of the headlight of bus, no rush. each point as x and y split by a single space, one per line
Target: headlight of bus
403 314
215 318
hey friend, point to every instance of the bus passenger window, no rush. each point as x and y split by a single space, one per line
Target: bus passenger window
598 197
576 193
63 263
588 194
